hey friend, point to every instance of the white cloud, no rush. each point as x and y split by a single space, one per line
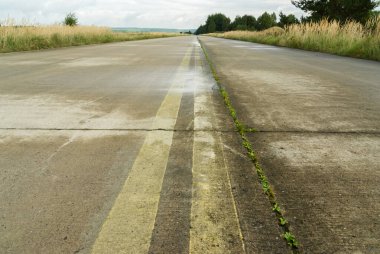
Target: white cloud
137 13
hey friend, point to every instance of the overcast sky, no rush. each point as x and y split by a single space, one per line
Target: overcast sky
137 13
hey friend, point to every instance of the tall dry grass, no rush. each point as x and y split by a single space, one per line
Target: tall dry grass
21 38
349 39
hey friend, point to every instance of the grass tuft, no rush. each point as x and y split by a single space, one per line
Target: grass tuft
276 208
291 240
283 221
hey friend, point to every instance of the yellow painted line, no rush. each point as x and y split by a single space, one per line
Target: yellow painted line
214 221
129 225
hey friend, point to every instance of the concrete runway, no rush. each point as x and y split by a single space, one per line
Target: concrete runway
129 148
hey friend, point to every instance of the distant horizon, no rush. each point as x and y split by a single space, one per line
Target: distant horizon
152 29
141 27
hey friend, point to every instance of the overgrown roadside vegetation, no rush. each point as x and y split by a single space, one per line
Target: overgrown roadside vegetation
23 38
288 236
349 39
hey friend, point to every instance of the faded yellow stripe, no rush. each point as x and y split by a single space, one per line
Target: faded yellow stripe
129 225
214 221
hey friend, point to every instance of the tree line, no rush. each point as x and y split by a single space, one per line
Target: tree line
341 10
220 23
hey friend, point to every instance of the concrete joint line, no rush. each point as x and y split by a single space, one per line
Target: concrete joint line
117 130
321 132
129 225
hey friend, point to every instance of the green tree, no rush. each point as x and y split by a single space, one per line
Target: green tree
221 22
211 27
201 30
286 20
341 10
71 19
237 21
247 22
266 21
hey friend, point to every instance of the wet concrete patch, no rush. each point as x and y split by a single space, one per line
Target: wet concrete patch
171 233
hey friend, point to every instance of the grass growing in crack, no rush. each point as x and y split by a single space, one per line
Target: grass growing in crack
239 126
283 223
266 187
276 208
291 240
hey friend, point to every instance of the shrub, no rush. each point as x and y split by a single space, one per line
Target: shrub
71 20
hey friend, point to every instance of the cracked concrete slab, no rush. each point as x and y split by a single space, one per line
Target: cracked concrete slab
318 117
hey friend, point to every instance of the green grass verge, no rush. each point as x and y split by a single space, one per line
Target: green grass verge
242 130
